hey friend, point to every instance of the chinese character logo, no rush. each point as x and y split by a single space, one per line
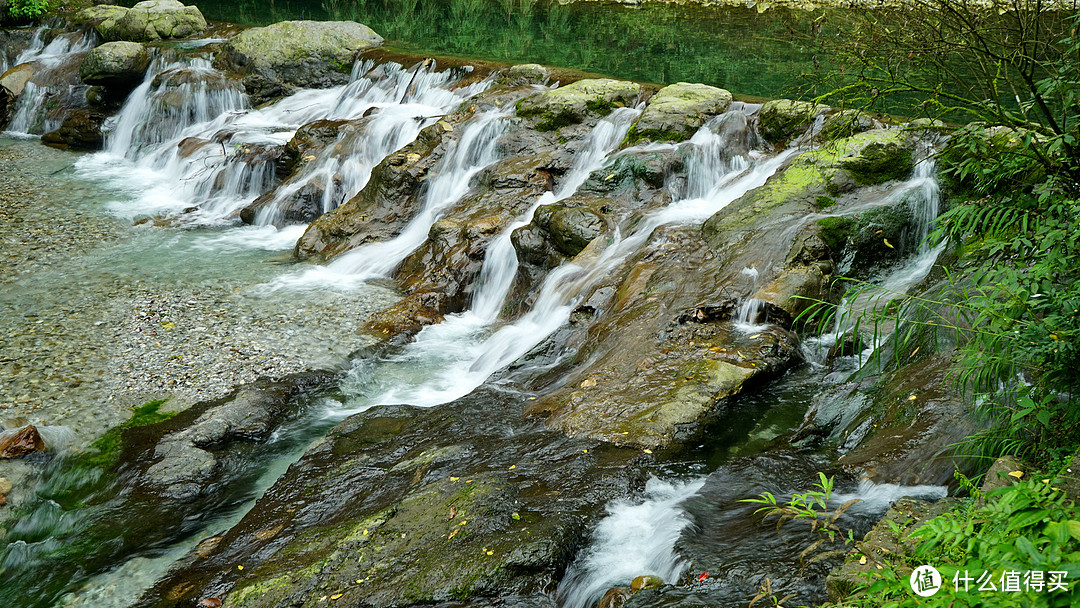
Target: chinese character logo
925 581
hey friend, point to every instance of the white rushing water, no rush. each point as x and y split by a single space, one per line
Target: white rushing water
634 539
475 151
449 360
923 193
188 142
31 116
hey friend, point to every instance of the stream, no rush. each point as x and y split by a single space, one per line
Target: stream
172 296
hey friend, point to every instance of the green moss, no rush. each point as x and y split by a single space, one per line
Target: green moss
880 162
105 451
836 231
824 202
600 106
555 121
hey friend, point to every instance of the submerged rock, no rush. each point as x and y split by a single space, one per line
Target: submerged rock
677 111
147 21
570 104
278 57
115 64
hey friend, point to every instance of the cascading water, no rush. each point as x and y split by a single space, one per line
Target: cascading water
922 192
187 138
632 540
471 154
448 360
52 76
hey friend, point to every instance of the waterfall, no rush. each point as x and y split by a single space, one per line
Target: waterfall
188 140
922 191
449 360
51 77
634 539
475 151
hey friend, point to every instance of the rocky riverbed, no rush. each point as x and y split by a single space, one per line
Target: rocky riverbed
86 336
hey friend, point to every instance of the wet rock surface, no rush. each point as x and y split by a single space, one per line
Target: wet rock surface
81 130
400 505
570 104
116 64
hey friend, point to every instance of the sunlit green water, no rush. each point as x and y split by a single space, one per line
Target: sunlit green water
735 48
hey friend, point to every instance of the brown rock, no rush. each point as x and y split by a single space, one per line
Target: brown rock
26 441
614 598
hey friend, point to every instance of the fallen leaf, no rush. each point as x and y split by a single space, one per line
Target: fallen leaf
453 514
515 515
1016 474
888 244
454 533
647 451
491 553
463 522
512 467
454 478
238 567
169 325
336 596
704 575
862 560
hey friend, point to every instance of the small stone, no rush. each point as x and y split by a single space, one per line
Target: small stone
648 581
25 441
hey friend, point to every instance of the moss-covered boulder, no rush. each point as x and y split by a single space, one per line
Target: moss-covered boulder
148 21
314 54
115 64
557 232
845 124
570 104
525 74
780 120
100 12
678 110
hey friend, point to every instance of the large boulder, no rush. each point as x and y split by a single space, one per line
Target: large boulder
570 104
115 64
12 83
100 13
678 110
315 54
149 21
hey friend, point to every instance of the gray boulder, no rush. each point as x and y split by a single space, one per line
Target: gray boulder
115 64
570 104
678 110
315 54
149 21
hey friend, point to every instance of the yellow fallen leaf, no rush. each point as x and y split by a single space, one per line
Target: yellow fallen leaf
168 325
647 451
359 580
512 467
365 532
862 560
463 522
238 567
1016 474
454 478
911 398
468 481
888 244
336 596
584 451
454 533
490 552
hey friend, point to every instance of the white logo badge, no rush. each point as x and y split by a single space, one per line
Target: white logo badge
925 581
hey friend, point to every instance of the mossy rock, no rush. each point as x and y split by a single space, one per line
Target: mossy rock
677 111
570 104
782 119
149 21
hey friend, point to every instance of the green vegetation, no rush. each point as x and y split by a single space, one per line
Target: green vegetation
27 9
105 451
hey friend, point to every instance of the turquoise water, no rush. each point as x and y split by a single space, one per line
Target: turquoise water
746 52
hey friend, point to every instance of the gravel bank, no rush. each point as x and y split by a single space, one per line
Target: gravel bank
86 334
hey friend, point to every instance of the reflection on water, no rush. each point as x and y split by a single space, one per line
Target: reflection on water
744 51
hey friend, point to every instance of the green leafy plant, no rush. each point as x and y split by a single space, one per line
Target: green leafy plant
27 9
811 506
1027 526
